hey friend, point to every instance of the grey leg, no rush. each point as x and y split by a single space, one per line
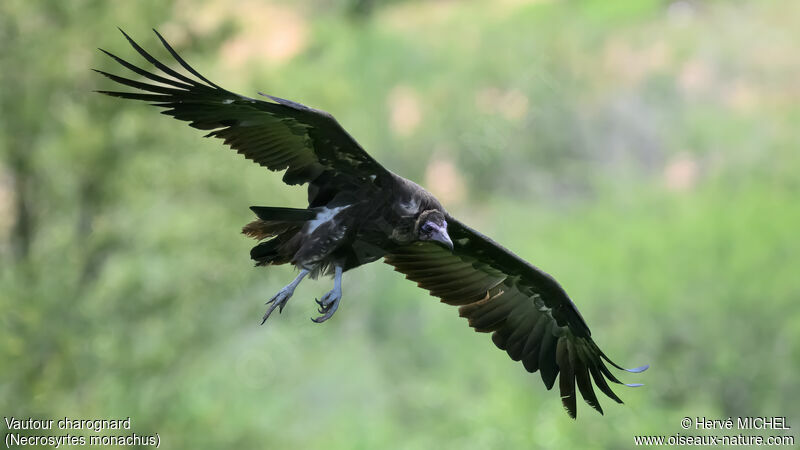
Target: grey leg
279 300
329 303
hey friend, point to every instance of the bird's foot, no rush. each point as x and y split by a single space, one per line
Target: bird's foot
279 300
328 305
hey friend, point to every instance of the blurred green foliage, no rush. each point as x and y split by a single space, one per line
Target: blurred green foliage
643 152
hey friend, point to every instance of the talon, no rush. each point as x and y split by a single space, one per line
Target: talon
280 299
267 314
321 318
330 301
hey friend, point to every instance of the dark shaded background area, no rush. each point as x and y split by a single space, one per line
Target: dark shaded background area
643 152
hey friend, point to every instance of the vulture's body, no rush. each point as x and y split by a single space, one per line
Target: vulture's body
359 212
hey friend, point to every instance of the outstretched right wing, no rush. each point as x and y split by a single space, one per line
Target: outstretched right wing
278 134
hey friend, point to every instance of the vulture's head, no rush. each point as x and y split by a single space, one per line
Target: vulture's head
432 226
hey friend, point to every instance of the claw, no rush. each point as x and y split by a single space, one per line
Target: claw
321 318
328 305
269 311
324 317
280 299
330 301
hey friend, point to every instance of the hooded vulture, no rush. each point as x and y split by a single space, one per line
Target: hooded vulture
359 212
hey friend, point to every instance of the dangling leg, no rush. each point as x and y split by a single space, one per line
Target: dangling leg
279 300
329 303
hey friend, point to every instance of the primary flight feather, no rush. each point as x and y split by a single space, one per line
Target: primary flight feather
359 212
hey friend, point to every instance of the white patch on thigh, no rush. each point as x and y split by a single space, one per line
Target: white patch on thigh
324 216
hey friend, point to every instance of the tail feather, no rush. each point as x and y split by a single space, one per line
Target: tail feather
261 229
280 224
273 221
279 214
276 251
266 252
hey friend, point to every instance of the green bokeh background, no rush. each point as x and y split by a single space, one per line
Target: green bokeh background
645 153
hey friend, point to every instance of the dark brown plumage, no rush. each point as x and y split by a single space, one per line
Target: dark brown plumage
359 212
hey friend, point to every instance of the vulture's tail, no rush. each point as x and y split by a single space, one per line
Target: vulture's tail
279 214
273 221
280 224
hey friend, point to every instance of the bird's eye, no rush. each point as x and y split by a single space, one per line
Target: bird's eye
427 227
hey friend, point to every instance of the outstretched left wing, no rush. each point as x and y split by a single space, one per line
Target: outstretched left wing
531 316
278 134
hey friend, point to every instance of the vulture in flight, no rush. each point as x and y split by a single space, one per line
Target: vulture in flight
359 212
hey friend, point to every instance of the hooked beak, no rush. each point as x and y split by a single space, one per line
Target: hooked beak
440 235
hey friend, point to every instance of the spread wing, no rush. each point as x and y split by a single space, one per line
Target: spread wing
277 134
531 316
